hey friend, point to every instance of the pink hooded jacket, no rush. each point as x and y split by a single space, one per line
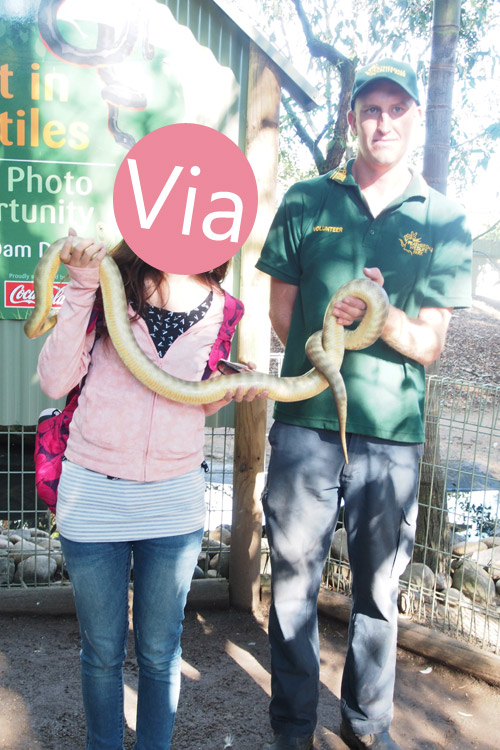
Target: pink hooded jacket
120 427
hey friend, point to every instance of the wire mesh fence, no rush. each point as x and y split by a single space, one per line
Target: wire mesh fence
453 580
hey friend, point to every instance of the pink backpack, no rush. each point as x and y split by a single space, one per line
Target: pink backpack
51 438
53 425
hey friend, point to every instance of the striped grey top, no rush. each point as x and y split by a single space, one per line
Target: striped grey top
93 508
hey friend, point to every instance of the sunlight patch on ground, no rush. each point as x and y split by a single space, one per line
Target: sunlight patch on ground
190 672
130 707
250 665
207 629
13 733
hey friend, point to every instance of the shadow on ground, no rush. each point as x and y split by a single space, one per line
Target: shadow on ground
225 690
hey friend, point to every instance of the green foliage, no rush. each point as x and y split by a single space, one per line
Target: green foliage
362 31
292 168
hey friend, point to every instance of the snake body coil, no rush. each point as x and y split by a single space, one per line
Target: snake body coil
324 349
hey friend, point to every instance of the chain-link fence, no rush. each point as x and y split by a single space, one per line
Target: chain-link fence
453 581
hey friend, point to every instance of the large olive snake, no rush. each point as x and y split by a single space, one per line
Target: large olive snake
324 349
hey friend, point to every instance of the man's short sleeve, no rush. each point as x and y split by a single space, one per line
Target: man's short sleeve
449 281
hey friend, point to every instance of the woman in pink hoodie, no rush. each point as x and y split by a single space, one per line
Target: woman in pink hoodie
132 486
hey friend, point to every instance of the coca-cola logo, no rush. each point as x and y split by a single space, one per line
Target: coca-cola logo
22 294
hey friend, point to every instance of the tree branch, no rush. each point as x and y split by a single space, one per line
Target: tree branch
487 231
316 47
346 70
305 138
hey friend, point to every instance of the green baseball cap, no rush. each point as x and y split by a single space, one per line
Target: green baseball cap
389 70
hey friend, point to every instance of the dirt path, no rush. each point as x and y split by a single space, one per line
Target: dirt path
225 687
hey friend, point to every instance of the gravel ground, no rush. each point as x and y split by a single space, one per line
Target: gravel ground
226 684
473 343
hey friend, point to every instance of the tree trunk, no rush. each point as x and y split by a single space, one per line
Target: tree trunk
445 29
433 539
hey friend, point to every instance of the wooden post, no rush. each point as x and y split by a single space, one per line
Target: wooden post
253 338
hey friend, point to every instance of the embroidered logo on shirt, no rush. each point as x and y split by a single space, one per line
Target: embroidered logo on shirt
339 174
328 229
412 243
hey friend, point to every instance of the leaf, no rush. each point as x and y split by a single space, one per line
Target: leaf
493 130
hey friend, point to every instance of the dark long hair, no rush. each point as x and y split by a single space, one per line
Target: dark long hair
136 272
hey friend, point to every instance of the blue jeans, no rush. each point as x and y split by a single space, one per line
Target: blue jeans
100 573
307 480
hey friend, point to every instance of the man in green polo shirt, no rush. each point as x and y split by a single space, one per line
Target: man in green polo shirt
378 218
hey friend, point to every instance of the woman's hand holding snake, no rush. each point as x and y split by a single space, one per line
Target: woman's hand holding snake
81 253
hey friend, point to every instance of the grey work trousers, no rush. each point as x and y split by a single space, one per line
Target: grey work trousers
307 480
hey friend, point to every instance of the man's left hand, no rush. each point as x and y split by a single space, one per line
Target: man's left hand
353 308
374 274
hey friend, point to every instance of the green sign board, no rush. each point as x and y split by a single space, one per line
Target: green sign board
81 82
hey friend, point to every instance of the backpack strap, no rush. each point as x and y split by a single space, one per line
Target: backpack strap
232 314
95 316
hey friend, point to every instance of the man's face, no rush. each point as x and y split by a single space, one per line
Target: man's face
383 121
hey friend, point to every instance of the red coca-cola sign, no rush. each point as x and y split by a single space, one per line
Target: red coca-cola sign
22 294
